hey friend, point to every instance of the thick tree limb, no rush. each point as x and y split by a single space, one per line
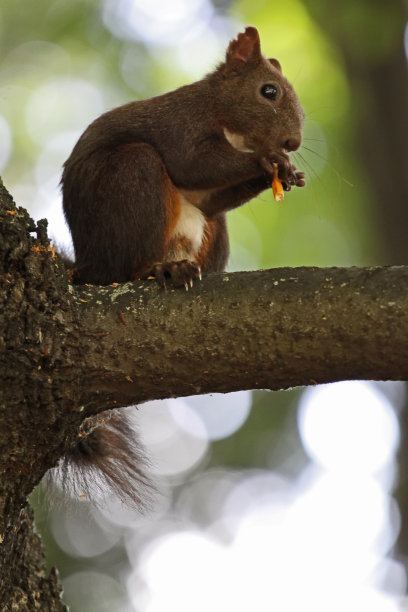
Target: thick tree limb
272 329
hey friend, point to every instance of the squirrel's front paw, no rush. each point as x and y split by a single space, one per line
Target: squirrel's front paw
286 171
181 273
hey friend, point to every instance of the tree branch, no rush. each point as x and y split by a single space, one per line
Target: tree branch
272 329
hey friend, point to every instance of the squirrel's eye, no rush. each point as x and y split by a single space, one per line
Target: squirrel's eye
269 91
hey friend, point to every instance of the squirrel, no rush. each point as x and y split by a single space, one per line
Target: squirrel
145 193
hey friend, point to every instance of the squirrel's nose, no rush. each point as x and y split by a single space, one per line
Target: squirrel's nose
292 143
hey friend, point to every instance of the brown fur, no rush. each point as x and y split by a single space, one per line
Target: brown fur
119 182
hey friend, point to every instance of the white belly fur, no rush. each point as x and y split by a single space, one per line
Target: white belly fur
190 226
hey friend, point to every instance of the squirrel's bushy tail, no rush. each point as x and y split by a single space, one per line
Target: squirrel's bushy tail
108 459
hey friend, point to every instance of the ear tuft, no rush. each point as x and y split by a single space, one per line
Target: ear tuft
245 47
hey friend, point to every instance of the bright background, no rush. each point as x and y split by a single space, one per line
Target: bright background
269 501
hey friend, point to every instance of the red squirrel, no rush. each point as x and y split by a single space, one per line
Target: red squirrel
147 186
145 192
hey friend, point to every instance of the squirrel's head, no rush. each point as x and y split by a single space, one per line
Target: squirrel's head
256 105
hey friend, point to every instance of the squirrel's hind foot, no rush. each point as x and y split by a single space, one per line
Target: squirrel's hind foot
181 273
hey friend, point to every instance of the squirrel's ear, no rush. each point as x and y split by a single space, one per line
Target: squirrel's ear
275 63
245 47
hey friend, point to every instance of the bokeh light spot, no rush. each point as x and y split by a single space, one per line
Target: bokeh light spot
217 415
348 426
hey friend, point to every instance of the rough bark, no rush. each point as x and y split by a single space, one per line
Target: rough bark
67 352
271 329
33 298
